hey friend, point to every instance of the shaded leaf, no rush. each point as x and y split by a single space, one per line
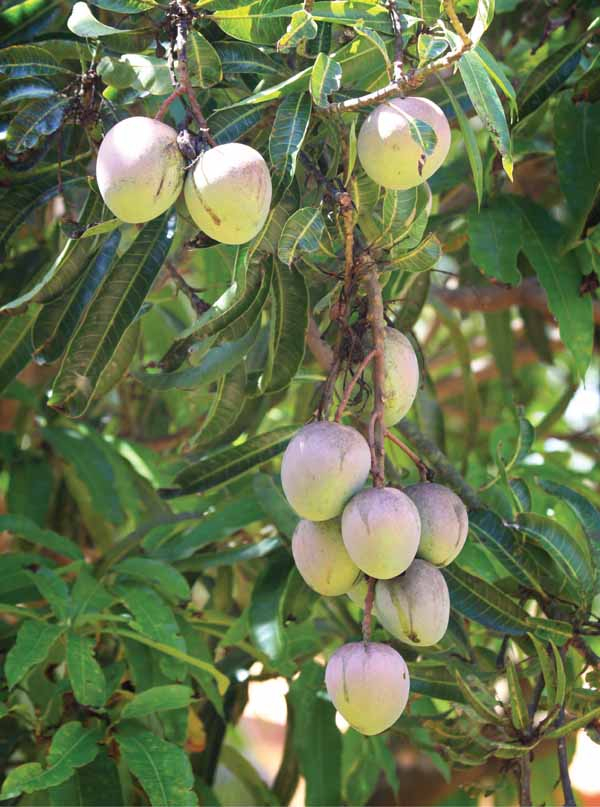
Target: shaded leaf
15 345
302 232
204 64
470 142
33 643
28 530
266 627
325 78
82 22
156 573
37 119
85 674
495 240
287 136
157 699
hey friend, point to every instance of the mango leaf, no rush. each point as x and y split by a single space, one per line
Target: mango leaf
155 573
548 670
375 39
228 125
157 699
225 408
33 643
151 73
73 746
266 627
573 725
429 47
420 259
289 323
85 674
302 232
252 23
586 512
561 677
28 530
484 603
230 557
576 130
483 19
487 105
548 77
54 590
224 466
495 240
125 6
542 241
83 23
12 92
501 542
518 706
37 119
341 12
26 61
470 142
204 64
399 211
59 320
302 26
119 363
325 78
15 345
414 294
162 769
475 701
117 304
94 785
561 546
241 57
497 74
285 141
274 504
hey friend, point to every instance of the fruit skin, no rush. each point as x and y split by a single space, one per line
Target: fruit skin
401 376
323 466
321 557
228 193
386 148
415 607
381 529
444 522
139 169
200 595
368 684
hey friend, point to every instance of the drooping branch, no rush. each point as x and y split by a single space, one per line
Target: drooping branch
528 294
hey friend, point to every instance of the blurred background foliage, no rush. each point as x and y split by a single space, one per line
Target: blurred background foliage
151 379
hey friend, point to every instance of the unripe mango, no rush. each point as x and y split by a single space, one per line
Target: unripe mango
393 144
444 522
414 607
322 558
381 530
228 193
323 466
139 169
200 594
401 376
368 684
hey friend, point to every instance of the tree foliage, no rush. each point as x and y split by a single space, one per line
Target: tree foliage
152 378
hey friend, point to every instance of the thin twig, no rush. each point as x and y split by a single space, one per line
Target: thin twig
525 781
456 23
199 305
163 108
355 378
563 764
398 29
424 472
368 615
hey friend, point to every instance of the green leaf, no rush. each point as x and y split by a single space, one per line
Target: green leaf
483 19
228 125
498 76
518 707
230 557
375 39
501 542
289 323
561 546
224 466
548 670
240 57
560 278
119 363
204 64
251 23
302 26
302 232
12 91
475 701
162 769
125 6
116 305
561 678
325 78
470 141
484 603
85 674
576 132
83 23
545 79
586 512
226 406
266 627
54 590
59 320
420 259
399 211
155 573
73 746
573 725
37 119
32 646
15 345
430 47
487 105
287 136
93 785
26 61
157 699
274 504
495 240
28 530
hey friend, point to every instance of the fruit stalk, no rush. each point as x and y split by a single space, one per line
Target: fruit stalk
368 611
424 472
355 378
376 424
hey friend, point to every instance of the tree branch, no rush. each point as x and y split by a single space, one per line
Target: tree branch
524 781
528 294
563 764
